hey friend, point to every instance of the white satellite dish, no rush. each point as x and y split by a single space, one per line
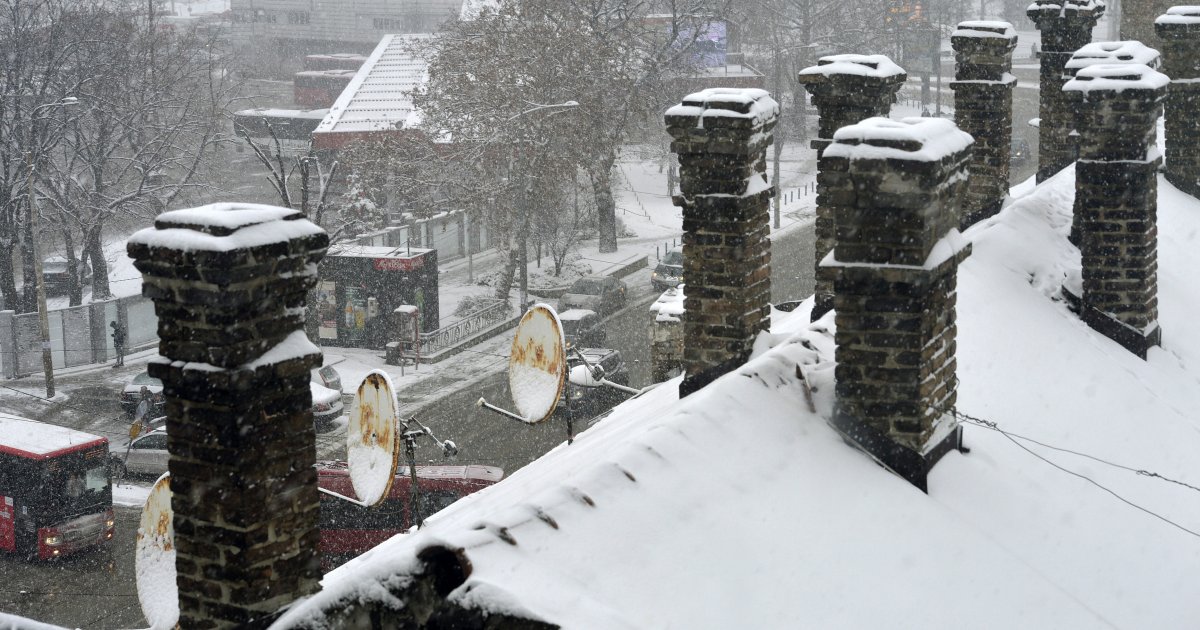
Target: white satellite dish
373 439
537 365
154 558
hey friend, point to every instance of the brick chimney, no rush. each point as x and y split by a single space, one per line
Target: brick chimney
1179 37
1066 26
720 136
1116 188
845 89
228 283
983 88
1098 53
899 187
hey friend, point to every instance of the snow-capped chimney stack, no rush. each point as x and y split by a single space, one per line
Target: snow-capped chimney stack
1179 37
1094 54
229 283
720 136
1116 188
845 89
1066 26
983 89
898 187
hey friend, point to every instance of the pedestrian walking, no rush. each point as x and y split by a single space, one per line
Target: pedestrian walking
141 415
118 337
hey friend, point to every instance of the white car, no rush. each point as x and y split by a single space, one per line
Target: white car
327 404
146 455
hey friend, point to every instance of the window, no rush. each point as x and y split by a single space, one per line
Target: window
430 502
388 24
152 442
297 17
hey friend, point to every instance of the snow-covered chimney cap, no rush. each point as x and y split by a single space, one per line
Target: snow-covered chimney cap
1114 53
916 139
877 66
991 29
223 227
749 103
1187 14
1065 7
1116 78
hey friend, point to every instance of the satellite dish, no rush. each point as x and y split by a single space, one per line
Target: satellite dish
154 558
373 439
537 365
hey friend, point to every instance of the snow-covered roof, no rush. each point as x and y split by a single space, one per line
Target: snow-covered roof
1187 14
854 64
1116 78
39 439
669 306
741 507
985 29
1127 52
376 251
379 97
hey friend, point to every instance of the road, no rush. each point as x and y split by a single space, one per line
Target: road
484 437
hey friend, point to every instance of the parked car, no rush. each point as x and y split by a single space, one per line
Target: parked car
669 272
131 394
582 327
144 455
57 278
347 529
603 294
329 377
326 405
593 399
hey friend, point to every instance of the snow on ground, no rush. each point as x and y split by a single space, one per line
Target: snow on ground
129 495
738 507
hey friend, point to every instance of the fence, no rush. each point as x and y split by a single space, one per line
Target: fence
79 335
449 336
449 233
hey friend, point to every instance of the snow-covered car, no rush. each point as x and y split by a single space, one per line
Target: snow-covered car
669 272
582 327
329 377
131 394
603 294
327 404
56 276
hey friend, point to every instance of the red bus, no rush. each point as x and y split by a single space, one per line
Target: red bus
55 492
347 530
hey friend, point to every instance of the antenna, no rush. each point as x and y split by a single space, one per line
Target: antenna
536 367
154 558
373 445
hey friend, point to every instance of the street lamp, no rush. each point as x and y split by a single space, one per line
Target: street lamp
43 313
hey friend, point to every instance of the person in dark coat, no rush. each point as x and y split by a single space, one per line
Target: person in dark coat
118 337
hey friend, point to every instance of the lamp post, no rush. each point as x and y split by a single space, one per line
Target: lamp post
35 228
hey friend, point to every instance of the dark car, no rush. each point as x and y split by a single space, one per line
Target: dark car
131 394
669 272
582 327
586 397
603 294
57 278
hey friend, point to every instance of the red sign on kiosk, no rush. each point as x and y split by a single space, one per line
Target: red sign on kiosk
399 264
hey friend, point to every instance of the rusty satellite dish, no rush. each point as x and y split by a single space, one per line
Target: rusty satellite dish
373 439
154 558
537 365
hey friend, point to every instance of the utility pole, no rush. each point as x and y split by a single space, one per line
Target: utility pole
43 315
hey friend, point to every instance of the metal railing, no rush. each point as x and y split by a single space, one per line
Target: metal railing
465 328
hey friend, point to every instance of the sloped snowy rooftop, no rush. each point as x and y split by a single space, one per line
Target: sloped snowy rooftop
740 507
379 97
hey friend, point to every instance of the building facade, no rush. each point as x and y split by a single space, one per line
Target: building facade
337 25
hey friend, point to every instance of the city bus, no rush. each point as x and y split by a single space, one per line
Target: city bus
347 530
55 492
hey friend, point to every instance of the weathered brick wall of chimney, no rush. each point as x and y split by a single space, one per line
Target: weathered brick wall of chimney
898 187
1094 54
845 89
229 284
720 136
1179 38
983 89
1116 187
1066 26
